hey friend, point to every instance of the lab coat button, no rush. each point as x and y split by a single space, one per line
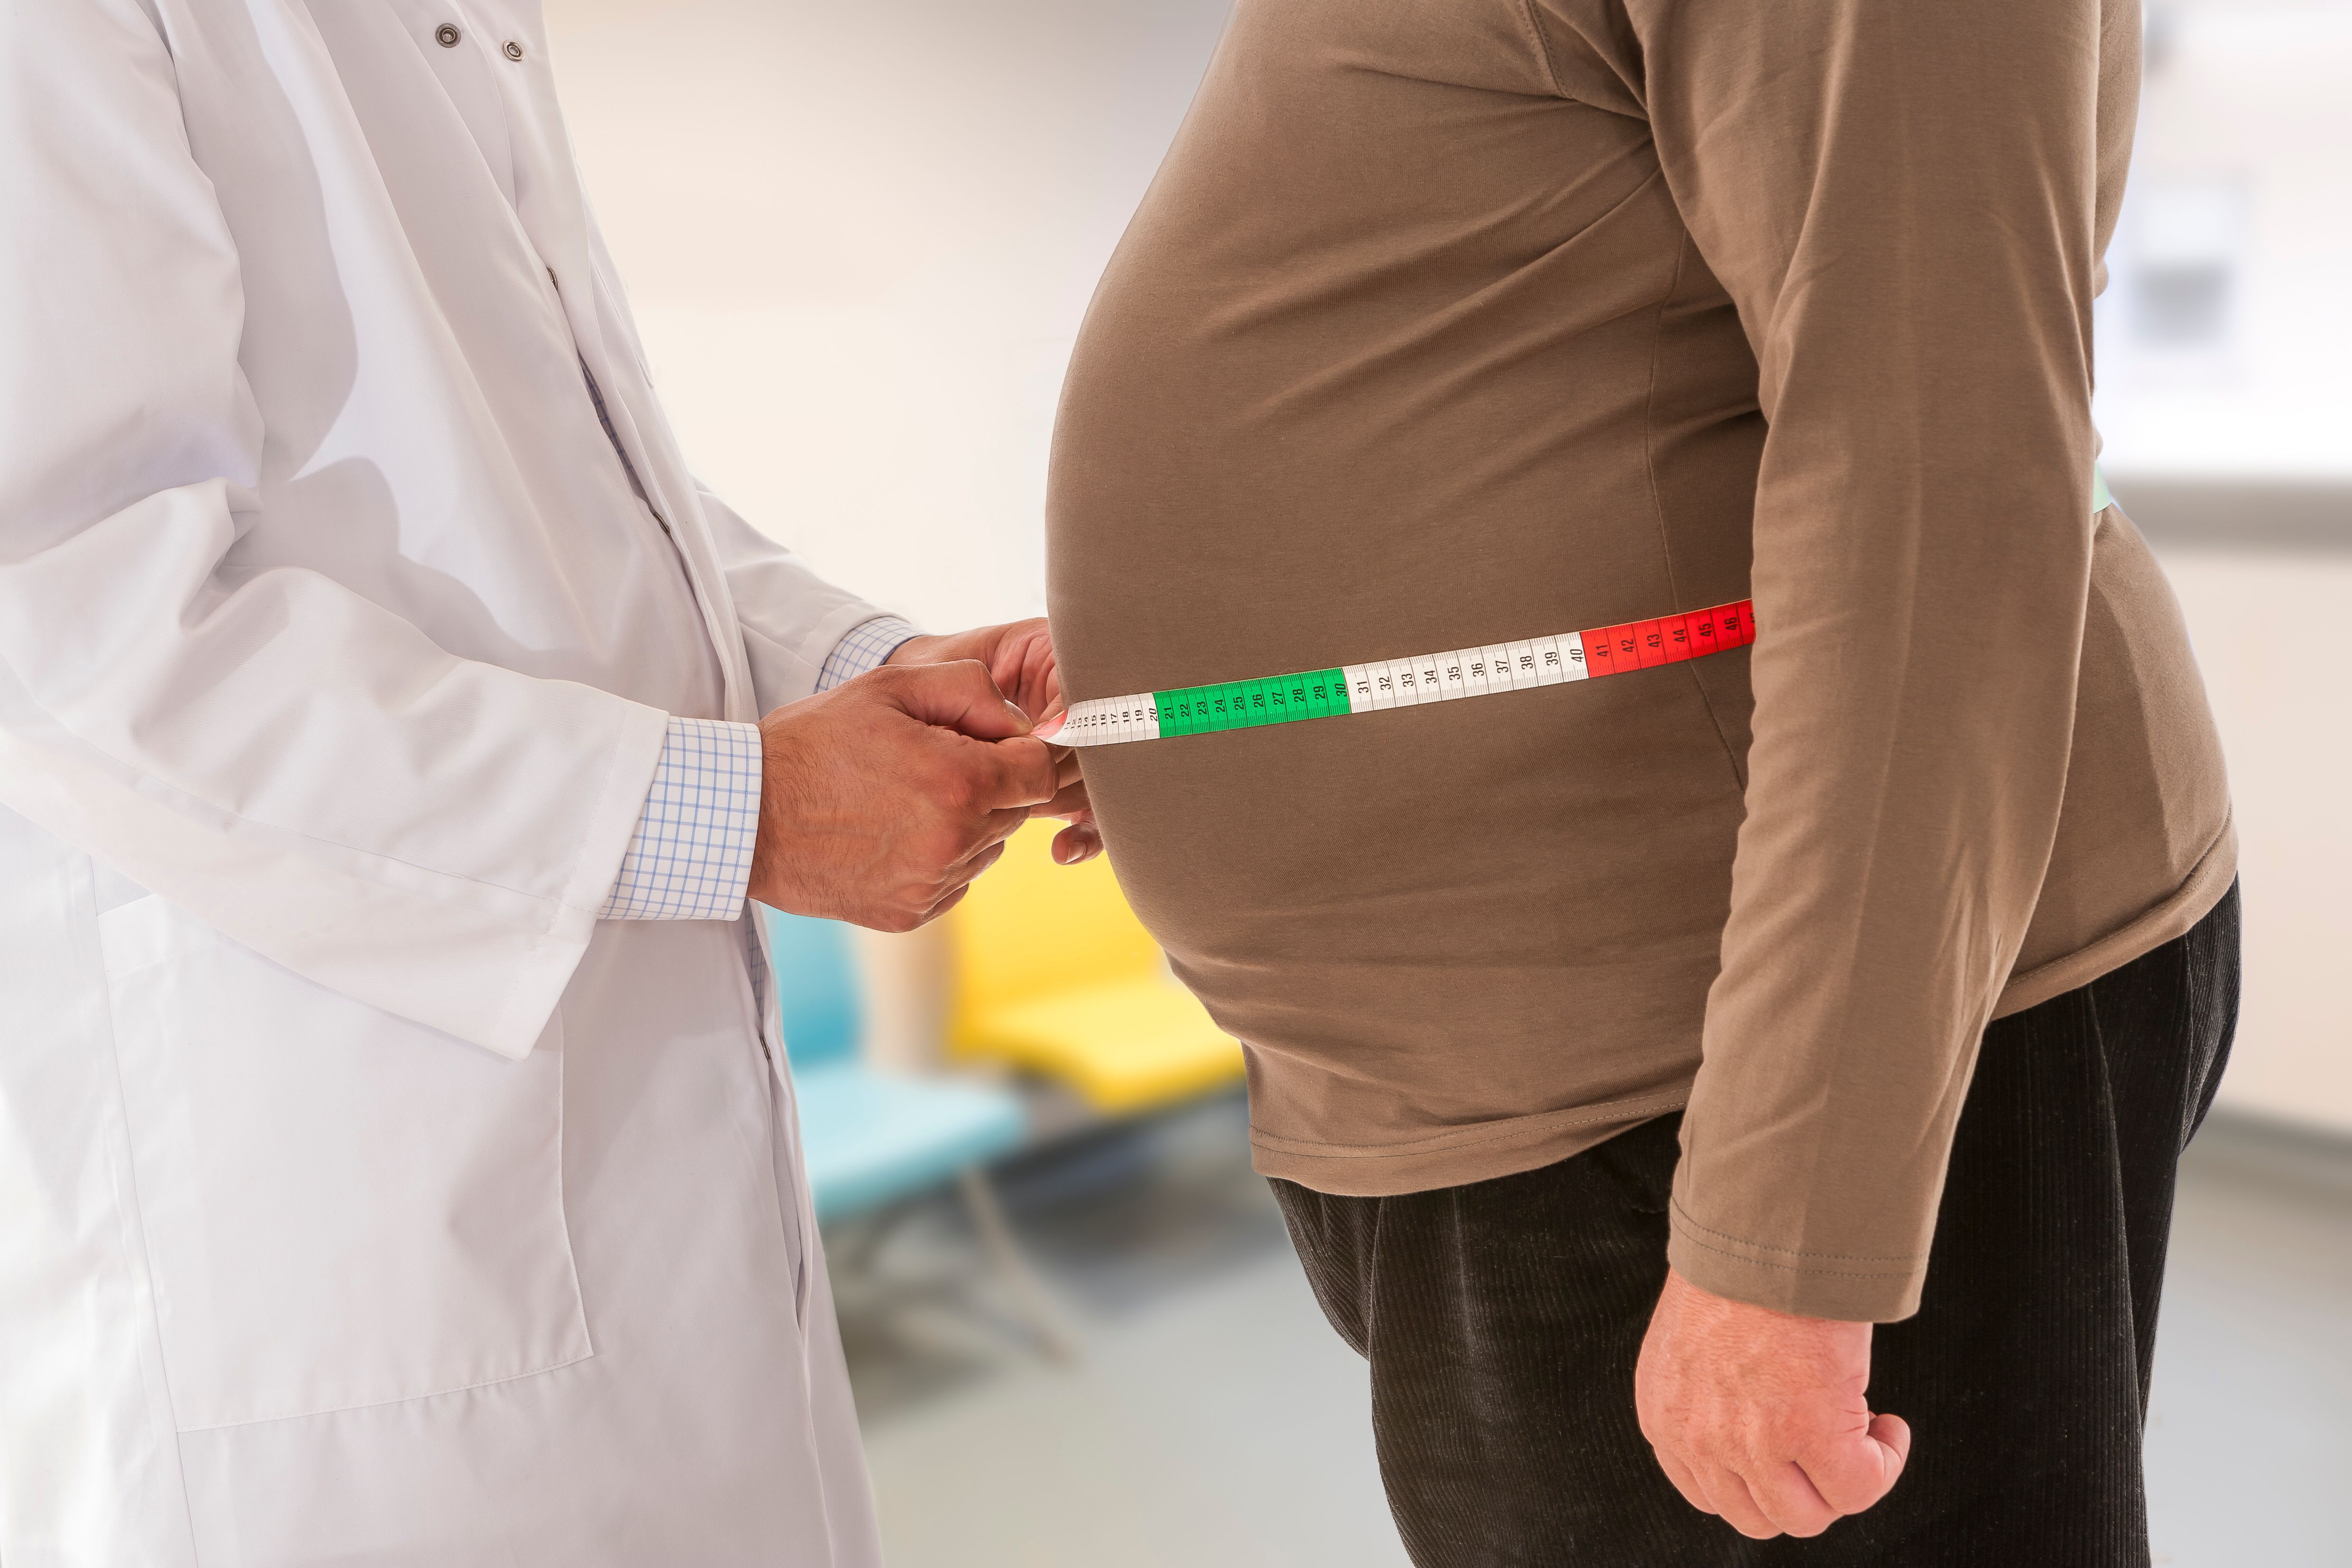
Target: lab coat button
446 34
512 50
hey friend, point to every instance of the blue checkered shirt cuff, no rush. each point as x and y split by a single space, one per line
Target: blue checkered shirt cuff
863 648
690 857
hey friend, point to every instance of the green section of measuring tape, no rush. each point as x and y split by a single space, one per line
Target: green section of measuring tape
1247 704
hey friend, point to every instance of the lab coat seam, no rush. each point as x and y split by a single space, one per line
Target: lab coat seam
606 789
562 1199
125 1170
402 1399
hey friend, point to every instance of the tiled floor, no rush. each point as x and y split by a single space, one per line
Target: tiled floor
1216 1420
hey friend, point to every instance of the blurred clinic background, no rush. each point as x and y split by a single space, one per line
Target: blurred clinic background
860 239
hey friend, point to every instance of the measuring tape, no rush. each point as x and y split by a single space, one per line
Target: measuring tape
1433 677
1405 682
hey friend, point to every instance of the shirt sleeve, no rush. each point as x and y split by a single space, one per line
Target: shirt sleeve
866 645
1900 201
691 856
793 621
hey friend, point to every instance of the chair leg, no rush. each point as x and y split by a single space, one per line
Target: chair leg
1004 1249
862 1245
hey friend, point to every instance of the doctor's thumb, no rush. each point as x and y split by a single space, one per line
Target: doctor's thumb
958 696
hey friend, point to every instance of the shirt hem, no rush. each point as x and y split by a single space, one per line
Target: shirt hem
1480 1152
1509 1145
2171 918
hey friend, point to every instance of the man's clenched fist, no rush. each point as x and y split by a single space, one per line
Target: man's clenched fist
885 795
1760 1417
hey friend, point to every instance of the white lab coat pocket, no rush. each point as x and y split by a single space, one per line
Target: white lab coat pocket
340 1207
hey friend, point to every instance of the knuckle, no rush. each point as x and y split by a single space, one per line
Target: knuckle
938 849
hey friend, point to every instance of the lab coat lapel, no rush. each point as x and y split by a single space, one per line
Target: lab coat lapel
554 210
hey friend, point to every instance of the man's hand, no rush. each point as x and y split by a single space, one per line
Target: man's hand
1020 658
885 795
1760 1417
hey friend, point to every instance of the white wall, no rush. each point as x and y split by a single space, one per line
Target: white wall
860 239
2243 161
2268 630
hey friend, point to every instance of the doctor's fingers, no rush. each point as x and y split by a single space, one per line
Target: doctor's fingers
960 696
953 886
955 878
1016 773
1069 801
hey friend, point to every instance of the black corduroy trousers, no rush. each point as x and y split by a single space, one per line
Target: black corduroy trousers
1503 1319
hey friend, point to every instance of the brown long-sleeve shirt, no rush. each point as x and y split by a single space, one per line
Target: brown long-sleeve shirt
1453 322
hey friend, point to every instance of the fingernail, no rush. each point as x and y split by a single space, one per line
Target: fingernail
1051 727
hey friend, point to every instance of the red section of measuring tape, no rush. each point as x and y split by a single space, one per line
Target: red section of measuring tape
1678 642
1642 645
1600 658
1701 631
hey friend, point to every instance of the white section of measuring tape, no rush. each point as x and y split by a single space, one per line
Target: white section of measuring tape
1464 672
1367 688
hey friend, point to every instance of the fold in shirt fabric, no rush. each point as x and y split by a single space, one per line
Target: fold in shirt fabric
1446 325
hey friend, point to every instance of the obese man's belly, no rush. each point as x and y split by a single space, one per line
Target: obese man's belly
1336 401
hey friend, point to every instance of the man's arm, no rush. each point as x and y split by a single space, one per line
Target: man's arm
1899 200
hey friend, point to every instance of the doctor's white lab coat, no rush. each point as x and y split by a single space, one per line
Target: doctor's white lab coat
364 1199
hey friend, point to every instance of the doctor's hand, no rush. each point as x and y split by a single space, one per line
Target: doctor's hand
882 797
1760 1417
1020 658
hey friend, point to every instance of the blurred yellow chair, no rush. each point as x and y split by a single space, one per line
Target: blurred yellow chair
1055 975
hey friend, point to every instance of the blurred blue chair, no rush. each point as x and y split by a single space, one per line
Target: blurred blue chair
871 1141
